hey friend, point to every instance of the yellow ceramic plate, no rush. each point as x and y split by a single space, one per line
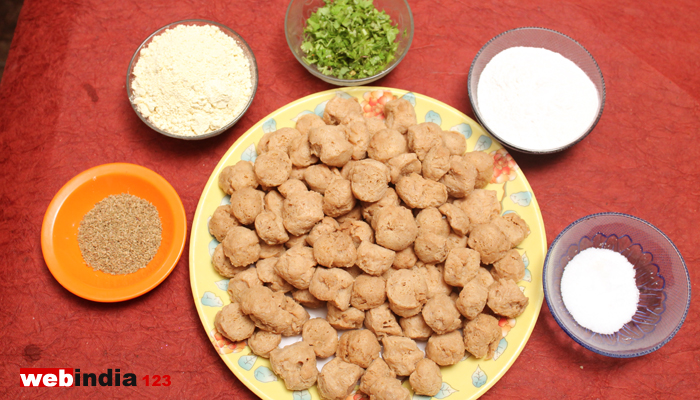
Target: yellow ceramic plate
468 379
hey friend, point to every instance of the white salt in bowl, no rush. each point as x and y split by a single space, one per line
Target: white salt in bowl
238 39
660 274
492 119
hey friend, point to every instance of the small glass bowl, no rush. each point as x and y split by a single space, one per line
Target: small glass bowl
540 38
199 22
300 10
661 275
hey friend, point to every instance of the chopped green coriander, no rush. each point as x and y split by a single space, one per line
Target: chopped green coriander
349 39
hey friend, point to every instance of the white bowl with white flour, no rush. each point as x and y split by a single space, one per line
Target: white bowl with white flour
192 79
536 90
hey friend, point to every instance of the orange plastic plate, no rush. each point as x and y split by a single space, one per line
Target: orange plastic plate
59 231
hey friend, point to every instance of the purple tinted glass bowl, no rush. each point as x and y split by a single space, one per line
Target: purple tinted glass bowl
660 272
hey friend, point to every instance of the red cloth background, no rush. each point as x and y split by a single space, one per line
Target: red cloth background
63 109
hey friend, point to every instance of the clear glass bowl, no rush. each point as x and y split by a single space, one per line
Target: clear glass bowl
300 10
200 22
661 275
540 38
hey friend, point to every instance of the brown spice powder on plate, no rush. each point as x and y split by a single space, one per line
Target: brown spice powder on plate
120 235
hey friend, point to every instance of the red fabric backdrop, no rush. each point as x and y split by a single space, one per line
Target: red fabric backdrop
63 109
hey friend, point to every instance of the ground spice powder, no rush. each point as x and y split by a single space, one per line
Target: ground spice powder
120 235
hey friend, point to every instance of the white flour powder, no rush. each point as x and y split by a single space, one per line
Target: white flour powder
191 80
536 99
599 290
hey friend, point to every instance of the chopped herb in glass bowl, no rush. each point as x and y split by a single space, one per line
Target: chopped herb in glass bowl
349 42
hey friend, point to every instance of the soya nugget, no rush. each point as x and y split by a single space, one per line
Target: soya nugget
406 258
332 285
296 365
374 125
447 349
369 210
481 206
237 176
514 227
455 142
274 202
233 324
263 342
460 178
430 220
302 211
352 318
222 265
509 267
338 198
341 110
479 335
418 192
221 221
376 370
461 266
400 114
456 218
270 228
374 259
426 379
267 251
243 280
369 180
423 137
402 165
484 167
441 314
335 250
241 246
273 311
489 241
325 226
386 144
318 176
415 327
394 227
297 266
268 276
337 379
368 292
359 231
291 186
389 389
300 151
308 121
436 163
306 299
246 204
455 241
358 136
506 299
472 299
382 322
318 333
434 278
430 248
359 346
272 168
484 277
331 145
401 354
280 140
407 292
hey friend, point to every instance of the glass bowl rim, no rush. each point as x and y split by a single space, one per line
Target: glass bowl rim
227 31
352 82
477 114
561 324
